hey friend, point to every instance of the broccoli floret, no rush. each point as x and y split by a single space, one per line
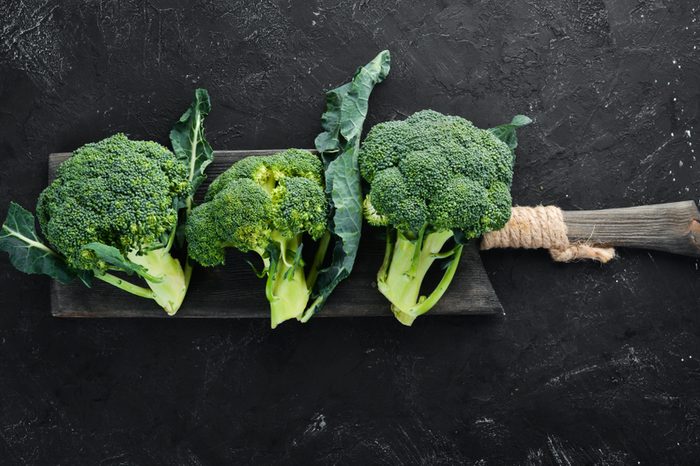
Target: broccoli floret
265 204
430 176
124 195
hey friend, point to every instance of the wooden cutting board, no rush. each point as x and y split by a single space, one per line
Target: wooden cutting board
234 291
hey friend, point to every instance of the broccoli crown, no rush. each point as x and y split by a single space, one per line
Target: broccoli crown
259 199
118 192
438 171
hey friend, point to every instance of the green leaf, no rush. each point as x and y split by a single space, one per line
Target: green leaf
506 133
27 253
338 144
259 273
272 252
114 257
188 141
520 120
85 276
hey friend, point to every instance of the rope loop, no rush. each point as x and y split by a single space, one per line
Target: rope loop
543 227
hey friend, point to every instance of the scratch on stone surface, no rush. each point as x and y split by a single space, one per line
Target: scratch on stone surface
629 359
119 458
655 152
30 42
534 457
557 451
317 425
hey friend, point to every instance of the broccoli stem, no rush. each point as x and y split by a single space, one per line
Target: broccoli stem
286 289
428 303
171 285
188 264
408 263
125 285
318 259
188 272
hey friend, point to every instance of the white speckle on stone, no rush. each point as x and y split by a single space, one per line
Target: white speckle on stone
318 424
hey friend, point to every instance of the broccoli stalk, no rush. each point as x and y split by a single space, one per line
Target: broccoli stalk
286 288
406 263
163 273
168 282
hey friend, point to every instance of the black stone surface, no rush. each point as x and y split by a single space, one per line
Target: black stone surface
591 365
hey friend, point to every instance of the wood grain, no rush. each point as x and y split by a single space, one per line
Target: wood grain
233 290
672 227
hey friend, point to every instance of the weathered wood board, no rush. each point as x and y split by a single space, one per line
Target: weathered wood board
233 290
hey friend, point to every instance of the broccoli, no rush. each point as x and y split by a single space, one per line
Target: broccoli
265 204
433 180
117 206
114 206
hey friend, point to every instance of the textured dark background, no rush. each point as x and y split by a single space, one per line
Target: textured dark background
591 364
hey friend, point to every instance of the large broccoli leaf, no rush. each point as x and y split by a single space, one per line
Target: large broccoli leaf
27 253
338 144
191 147
506 133
189 143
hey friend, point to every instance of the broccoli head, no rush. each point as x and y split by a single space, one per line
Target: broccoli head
430 177
114 206
265 204
117 205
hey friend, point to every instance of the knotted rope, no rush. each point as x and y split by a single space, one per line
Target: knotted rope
543 227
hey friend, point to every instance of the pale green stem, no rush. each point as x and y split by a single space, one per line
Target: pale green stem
318 259
125 285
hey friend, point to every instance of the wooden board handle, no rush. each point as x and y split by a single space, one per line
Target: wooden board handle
672 227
